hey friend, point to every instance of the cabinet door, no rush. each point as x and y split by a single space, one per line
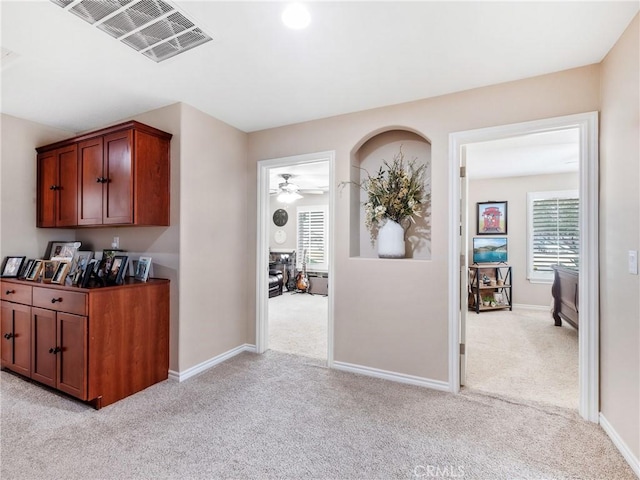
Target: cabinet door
43 346
118 191
90 184
72 358
47 184
16 337
67 187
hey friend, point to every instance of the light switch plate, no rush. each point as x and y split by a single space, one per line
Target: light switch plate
633 262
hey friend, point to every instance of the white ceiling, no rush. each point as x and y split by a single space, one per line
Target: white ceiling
257 74
535 154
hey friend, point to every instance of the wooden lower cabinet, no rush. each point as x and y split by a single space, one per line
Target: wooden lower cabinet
99 345
15 341
59 351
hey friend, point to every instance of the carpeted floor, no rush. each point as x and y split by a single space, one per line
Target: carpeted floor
298 324
280 416
522 355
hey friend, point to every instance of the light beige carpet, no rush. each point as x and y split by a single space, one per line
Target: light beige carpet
279 416
298 324
522 355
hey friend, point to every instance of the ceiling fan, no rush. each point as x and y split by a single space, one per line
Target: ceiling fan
289 192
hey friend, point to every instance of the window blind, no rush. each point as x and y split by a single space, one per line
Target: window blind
312 231
555 235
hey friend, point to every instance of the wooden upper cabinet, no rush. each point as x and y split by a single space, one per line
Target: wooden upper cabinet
58 187
122 174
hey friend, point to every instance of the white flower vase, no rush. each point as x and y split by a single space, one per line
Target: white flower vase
391 240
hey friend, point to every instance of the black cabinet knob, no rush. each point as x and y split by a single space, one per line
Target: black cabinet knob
54 350
54 300
8 336
9 292
101 180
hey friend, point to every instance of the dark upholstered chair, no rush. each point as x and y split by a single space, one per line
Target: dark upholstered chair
275 283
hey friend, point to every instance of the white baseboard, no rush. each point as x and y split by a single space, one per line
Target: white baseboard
393 376
212 362
620 445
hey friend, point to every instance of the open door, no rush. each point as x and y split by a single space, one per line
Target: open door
464 264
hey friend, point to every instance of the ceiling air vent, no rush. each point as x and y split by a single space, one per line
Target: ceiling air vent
154 28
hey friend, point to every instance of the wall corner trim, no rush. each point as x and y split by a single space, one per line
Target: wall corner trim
212 362
393 376
631 459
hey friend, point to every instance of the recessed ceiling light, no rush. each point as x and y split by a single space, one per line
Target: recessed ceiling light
296 16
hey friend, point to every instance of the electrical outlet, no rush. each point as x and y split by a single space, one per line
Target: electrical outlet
633 262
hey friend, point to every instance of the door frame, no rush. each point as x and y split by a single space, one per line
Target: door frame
588 334
262 254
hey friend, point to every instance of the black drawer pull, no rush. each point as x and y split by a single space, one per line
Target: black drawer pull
54 350
54 300
8 336
102 180
9 292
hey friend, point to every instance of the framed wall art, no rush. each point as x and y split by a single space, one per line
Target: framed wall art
492 218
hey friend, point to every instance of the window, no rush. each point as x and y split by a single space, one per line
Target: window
554 232
312 238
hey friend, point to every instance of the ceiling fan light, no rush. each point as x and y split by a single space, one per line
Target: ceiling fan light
288 197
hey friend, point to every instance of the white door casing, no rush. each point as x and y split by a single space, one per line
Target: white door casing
262 253
588 334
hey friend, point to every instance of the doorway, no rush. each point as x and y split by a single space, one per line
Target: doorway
289 316
588 288
522 193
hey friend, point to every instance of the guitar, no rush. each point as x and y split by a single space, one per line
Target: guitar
302 282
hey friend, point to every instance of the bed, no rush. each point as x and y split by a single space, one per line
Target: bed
565 296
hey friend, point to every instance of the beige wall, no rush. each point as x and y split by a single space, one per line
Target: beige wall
18 233
514 190
215 276
292 224
393 314
619 233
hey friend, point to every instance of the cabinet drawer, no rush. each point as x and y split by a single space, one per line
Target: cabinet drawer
60 300
15 292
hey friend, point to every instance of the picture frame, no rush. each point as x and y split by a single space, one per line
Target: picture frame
60 273
12 266
49 269
116 273
492 218
78 264
107 258
142 269
58 251
90 276
26 268
34 274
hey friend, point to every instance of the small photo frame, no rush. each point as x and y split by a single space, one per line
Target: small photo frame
34 273
11 266
492 218
26 268
116 272
89 276
78 264
60 273
49 268
142 269
62 251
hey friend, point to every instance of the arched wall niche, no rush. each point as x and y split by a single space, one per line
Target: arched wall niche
369 156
